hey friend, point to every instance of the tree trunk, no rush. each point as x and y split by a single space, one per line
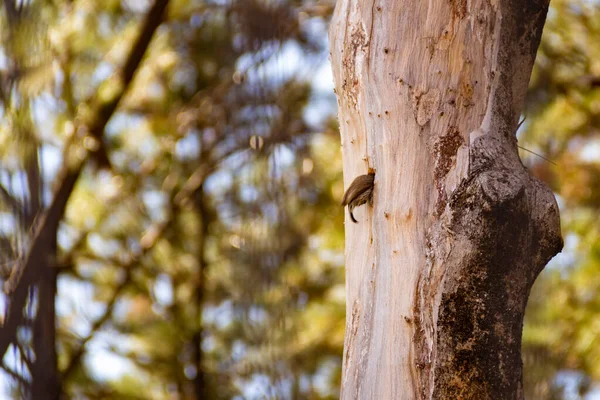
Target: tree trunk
44 372
202 212
440 267
44 377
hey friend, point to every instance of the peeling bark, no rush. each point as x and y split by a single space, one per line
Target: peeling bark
439 272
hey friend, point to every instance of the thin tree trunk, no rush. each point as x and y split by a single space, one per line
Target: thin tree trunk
44 374
203 215
440 268
45 381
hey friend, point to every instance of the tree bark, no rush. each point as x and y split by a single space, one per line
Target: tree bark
439 269
44 376
44 365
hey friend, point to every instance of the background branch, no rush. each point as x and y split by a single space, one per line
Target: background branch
26 273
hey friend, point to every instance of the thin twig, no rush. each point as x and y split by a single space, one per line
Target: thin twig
15 375
532 152
9 199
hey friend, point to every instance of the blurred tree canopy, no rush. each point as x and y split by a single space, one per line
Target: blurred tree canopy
198 252
561 340
186 262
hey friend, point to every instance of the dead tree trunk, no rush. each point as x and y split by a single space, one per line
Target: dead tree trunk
440 268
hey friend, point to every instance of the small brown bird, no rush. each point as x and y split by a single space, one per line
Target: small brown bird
359 192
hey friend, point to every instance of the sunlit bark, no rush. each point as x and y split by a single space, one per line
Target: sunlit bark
440 268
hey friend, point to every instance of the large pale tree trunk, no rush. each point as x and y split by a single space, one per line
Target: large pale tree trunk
440 268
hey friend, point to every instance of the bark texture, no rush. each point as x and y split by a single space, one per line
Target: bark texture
440 268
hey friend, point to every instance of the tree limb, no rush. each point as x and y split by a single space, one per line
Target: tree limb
76 358
16 376
68 176
9 199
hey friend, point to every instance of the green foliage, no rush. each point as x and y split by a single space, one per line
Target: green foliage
213 248
561 330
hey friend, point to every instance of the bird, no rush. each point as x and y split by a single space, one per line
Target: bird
359 193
